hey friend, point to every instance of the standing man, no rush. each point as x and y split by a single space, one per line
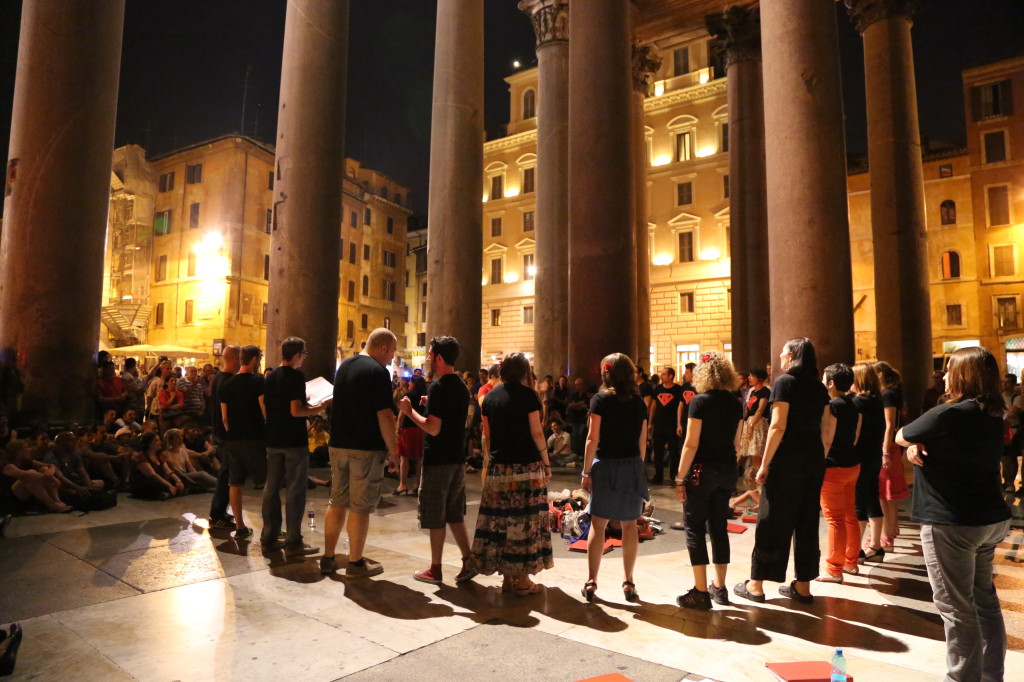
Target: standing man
363 434
442 498
219 517
666 423
1014 404
287 450
576 411
244 414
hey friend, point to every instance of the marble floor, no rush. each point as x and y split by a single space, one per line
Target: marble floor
145 591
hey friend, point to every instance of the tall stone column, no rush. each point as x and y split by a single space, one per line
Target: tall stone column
550 20
455 237
902 303
304 284
739 29
645 63
58 193
602 235
808 229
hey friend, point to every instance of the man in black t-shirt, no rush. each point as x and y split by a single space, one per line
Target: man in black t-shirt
244 417
442 498
576 414
219 517
287 450
665 417
363 435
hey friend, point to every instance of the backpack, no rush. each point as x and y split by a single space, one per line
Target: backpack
98 500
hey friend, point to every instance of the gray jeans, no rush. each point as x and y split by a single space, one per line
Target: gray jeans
959 562
288 467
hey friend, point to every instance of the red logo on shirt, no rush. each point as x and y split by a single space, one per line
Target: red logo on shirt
688 396
665 399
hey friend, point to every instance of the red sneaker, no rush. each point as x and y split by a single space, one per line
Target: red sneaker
428 575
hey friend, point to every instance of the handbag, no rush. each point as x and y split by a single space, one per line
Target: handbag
98 500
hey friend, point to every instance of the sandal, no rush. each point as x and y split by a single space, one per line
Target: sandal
589 588
790 591
629 591
740 590
534 588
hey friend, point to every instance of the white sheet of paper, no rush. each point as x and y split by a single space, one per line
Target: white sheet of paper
318 390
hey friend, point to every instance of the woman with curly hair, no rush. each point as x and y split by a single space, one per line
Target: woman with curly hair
892 481
707 474
613 467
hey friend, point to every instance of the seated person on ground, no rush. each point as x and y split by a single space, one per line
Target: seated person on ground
199 443
319 437
151 478
27 484
110 421
179 459
560 444
66 457
129 420
102 457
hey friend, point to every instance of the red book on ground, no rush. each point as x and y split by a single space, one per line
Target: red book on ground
735 528
804 671
749 519
581 545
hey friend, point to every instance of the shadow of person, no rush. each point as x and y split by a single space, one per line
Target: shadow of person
294 569
491 605
234 546
392 600
728 623
891 617
803 622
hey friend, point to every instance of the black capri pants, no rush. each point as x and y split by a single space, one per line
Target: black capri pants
866 493
707 513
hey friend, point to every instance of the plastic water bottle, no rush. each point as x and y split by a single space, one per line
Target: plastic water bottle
839 667
566 527
312 517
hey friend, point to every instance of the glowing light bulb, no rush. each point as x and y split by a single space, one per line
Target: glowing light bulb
662 259
710 253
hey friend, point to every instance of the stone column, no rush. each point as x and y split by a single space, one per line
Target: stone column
455 237
902 303
602 235
551 286
645 63
808 229
58 194
739 29
304 284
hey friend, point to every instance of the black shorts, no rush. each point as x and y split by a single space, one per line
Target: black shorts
442 496
246 459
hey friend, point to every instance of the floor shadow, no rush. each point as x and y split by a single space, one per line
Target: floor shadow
392 600
234 546
294 569
726 623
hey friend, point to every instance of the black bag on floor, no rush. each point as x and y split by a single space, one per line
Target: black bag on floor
98 500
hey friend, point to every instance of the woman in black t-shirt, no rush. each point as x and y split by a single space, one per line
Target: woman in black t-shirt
410 436
868 401
956 448
707 475
791 474
892 481
613 467
512 536
755 429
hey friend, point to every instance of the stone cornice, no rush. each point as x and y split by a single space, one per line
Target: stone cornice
697 92
550 19
739 30
866 12
645 64
511 141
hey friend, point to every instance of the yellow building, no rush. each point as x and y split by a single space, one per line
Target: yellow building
188 248
416 298
974 201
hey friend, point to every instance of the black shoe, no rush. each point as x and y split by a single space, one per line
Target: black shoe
328 565
740 590
695 599
8 659
877 555
790 591
719 595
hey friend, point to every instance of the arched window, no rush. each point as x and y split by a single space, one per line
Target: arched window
950 265
529 104
366 285
947 212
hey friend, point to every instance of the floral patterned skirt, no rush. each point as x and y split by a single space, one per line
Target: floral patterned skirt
512 536
752 439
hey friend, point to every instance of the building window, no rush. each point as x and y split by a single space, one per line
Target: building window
528 180
991 99
366 252
387 323
366 285
351 291
684 146
1002 261
728 299
367 217
161 269
528 221
946 170
684 193
388 290
998 205
352 253
529 270
193 216
353 218
947 212
686 302
263 316
950 265
995 146
162 223
383 192
495 227
424 289
686 254
189 311
496 271
421 339
954 315
1006 312
350 329
723 137
191 264
398 198
270 220
423 313
364 321
725 186
391 225
497 187
167 182
159 315
496 317
270 180
266 267
390 259
529 104
193 174
527 314
680 61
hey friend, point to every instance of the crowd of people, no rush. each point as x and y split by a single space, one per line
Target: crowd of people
813 442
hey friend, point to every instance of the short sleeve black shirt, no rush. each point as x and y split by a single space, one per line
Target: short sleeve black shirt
241 393
666 407
507 409
872 429
754 401
843 454
720 413
893 397
284 385
216 419
362 388
577 415
448 400
959 482
622 418
801 441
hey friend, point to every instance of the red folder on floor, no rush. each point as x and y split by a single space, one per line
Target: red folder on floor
611 677
735 528
749 519
804 671
581 545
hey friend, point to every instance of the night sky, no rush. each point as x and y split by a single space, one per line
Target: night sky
184 65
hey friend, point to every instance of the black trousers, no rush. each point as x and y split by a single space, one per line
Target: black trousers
1009 459
659 441
788 515
866 493
707 513
219 502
